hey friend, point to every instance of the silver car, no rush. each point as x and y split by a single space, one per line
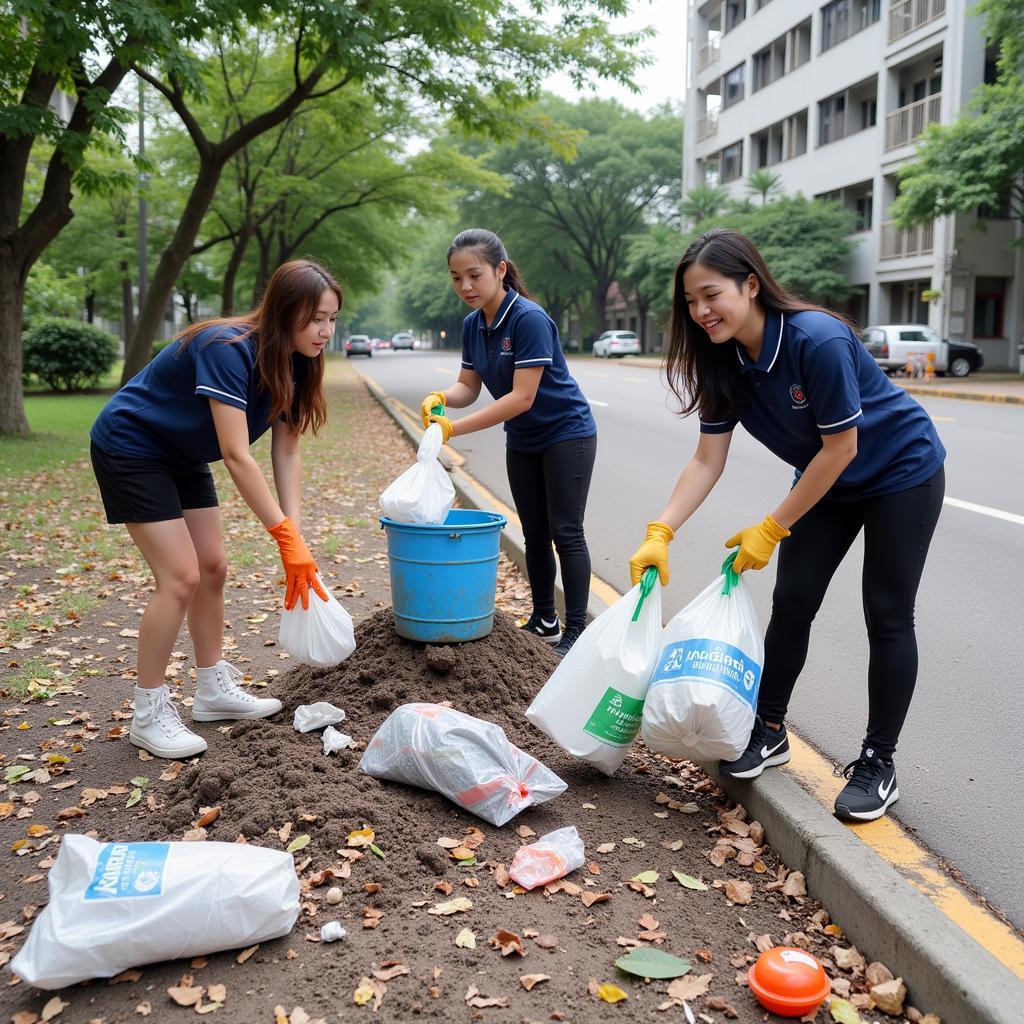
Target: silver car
359 345
617 343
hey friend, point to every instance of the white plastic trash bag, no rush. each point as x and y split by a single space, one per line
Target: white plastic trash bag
308 717
468 760
593 703
321 635
119 905
549 858
423 493
703 693
334 740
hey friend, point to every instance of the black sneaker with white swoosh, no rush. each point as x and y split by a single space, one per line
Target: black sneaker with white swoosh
765 748
549 630
871 790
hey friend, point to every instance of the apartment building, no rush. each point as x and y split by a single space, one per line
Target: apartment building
831 97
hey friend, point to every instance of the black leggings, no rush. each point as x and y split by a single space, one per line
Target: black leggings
550 490
897 531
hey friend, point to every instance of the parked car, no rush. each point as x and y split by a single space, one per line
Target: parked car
895 346
403 339
381 343
617 343
359 345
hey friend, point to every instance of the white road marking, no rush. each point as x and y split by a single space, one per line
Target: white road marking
636 380
943 419
985 510
594 401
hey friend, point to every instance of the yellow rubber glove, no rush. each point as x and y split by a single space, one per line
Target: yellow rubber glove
446 427
427 406
756 544
299 568
653 551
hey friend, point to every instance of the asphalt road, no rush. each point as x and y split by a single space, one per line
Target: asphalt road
961 771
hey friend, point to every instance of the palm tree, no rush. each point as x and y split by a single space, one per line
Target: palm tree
704 202
764 183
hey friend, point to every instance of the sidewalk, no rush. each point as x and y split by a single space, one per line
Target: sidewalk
987 386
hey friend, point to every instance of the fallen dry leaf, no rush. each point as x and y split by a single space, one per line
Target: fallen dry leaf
130 975
737 891
590 898
606 848
474 998
458 905
218 993
390 970
144 1009
465 939
207 816
525 832
689 987
529 980
53 1008
508 942
546 941
610 993
245 954
795 885
186 995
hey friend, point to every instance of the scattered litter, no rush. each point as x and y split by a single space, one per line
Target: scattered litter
334 896
424 493
315 716
332 931
118 905
467 759
334 740
551 857
321 635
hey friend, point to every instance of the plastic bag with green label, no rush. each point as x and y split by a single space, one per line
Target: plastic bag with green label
593 703
703 694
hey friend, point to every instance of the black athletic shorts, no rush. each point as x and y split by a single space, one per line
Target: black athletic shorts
150 490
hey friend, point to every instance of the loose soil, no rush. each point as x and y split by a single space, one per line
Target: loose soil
273 785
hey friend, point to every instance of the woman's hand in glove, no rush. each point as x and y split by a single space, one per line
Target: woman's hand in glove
429 404
299 568
756 544
446 425
653 551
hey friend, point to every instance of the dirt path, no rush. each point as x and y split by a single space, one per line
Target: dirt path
273 785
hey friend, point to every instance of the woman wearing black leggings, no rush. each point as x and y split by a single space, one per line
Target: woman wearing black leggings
510 346
867 457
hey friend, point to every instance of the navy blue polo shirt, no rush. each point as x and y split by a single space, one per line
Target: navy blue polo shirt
163 412
523 335
815 377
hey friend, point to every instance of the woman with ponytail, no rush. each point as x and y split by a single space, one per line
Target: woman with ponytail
209 396
511 346
867 458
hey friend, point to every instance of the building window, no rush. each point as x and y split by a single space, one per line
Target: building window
782 55
781 141
858 198
732 162
735 12
711 171
863 207
831 119
732 85
989 297
844 18
849 111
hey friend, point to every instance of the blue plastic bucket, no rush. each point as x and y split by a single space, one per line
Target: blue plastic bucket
443 576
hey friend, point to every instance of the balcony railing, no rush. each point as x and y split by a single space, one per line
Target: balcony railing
904 125
906 15
707 126
900 242
707 54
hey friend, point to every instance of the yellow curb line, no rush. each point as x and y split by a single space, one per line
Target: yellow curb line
815 774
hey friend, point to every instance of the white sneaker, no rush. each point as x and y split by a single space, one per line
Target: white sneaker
158 728
219 697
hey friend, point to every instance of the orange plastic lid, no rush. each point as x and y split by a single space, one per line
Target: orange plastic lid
788 981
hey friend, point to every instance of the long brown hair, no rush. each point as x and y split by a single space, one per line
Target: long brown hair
289 303
702 375
491 248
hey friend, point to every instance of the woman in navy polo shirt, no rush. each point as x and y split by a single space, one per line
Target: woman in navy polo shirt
209 396
510 346
867 457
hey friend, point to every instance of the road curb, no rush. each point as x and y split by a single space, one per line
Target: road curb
945 970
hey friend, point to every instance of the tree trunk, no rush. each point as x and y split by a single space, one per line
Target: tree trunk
598 302
227 295
172 259
90 308
642 309
262 271
127 303
12 296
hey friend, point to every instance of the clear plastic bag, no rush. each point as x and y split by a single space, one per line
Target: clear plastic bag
593 703
551 857
703 693
468 760
309 717
118 905
423 493
321 635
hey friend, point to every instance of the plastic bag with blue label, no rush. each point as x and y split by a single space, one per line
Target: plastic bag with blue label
119 905
703 693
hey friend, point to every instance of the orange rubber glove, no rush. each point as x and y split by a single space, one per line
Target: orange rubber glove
446 427
756 544
427 406
299 568
653 551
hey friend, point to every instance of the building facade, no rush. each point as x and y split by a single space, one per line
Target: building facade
832 97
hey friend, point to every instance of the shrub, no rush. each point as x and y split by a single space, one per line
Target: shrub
68 355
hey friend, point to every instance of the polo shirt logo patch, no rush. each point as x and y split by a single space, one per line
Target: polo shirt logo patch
796 392
506 346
